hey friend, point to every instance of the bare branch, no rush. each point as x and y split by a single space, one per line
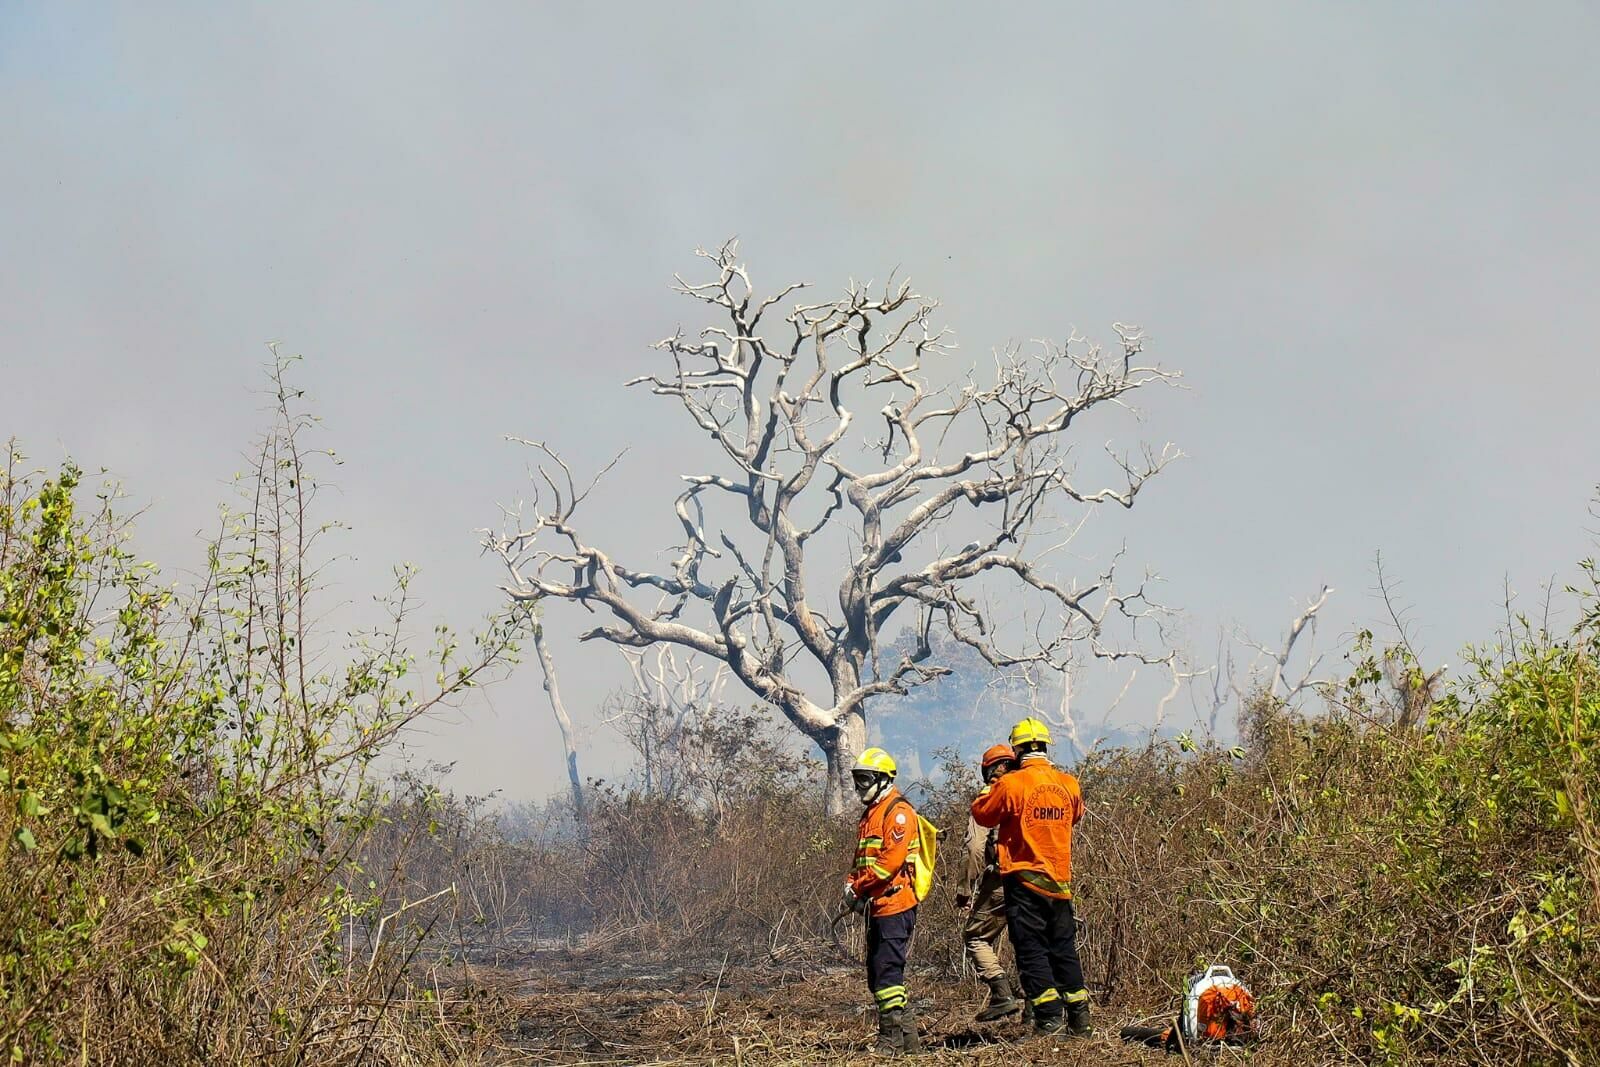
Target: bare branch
1306 618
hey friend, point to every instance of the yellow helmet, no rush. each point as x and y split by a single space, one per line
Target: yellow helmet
875 759
1030 729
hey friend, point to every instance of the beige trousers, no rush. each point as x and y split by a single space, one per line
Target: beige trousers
985 923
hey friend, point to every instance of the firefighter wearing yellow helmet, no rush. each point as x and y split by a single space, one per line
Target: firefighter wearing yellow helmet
883 884
1034 809
1029 731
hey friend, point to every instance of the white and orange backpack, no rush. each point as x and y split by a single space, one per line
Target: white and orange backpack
1218 1009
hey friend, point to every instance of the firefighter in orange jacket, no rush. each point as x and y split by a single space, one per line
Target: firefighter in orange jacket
880 884
1034 809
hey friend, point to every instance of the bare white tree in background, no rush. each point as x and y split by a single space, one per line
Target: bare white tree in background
842 473
558 707
1268 671
662 713
1280 660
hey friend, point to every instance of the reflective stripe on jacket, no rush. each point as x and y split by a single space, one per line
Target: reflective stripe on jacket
888 833
1034 809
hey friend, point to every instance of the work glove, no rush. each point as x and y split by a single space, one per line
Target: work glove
963 902
850 901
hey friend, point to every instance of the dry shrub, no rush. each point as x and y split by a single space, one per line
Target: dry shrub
502 880
1393 895
184 791
748 866
743 862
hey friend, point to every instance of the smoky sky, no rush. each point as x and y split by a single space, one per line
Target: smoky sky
1365 234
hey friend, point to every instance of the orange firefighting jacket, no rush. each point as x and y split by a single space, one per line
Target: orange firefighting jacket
1034 809
881 874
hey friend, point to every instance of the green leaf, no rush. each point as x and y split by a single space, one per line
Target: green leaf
24 837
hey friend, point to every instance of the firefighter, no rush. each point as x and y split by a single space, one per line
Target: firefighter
984 900
1033 810
881 885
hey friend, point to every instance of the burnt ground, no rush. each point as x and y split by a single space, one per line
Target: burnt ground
563 1007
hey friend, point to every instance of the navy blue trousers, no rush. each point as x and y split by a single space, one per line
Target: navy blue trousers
888 941
1045 939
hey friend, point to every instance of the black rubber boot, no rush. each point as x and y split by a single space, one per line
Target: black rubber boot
1048 1018
1078 1017
910 1042
891 1032
1002 1001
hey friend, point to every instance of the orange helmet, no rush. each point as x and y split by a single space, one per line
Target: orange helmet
994 754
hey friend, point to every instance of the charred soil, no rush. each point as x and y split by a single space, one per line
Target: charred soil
613 1008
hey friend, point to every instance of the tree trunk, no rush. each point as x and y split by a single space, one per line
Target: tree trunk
562 720
842 745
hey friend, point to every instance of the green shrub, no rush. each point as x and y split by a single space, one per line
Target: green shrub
1395 895
185 782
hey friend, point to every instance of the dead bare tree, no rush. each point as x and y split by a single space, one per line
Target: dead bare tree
664 713
569 741
1280 661
1279 685
780 399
